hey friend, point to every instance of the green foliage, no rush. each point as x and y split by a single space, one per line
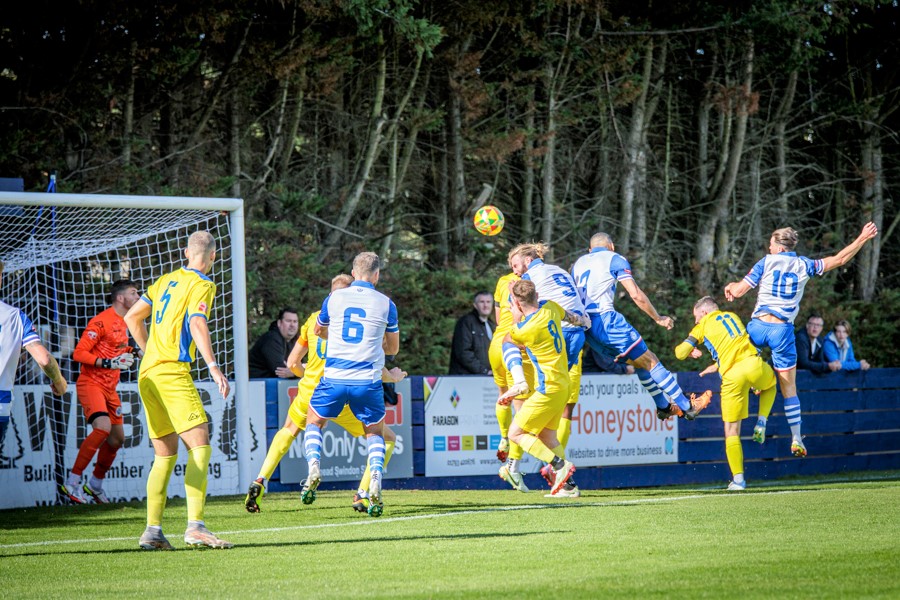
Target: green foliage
282 271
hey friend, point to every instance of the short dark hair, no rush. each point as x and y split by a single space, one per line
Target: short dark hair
815 315
482 293
119 287
287 309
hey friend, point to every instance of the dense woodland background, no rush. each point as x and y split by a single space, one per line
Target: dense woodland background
687 129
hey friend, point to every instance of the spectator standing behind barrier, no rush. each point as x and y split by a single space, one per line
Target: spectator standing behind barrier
809 347
837 347
472 339
269 353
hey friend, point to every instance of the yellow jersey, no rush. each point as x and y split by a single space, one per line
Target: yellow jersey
315 355
174 299
724 335
501 301
540 334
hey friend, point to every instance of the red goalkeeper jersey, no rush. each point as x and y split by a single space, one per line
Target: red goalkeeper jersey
106 336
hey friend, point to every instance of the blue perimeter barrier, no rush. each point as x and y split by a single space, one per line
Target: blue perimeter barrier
851 422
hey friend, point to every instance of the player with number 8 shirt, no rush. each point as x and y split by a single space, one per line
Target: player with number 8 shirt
781 277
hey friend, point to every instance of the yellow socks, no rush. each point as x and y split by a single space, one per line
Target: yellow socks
766 400
515 451
195 477
157 484
504 418
281 443
367 474
537 448
564 431
735 454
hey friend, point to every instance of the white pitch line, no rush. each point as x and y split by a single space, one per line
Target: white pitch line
431 516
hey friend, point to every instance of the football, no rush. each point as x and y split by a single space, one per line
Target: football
489 220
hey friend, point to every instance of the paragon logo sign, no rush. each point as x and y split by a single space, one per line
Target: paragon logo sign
454 398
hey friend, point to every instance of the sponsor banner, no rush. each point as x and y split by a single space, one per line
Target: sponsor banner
344 456
613 423
44 433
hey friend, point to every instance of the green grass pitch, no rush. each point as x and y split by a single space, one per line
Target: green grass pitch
804 538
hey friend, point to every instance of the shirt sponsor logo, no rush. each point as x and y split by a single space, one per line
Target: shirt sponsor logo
202 307
92 335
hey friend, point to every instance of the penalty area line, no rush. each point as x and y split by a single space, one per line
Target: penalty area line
496 509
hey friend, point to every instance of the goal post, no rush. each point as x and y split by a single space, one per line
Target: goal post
61 252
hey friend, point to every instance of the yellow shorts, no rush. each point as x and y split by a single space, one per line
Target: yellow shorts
575 381
300 405
541 411
751 372
170 398
502 377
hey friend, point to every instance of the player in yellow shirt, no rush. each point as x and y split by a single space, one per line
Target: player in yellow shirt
502 378
538 330
178 305
296 419
741 368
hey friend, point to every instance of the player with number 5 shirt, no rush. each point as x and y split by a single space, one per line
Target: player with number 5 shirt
781 277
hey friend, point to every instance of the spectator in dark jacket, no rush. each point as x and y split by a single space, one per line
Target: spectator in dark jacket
809 347
271 350
838 348
472 339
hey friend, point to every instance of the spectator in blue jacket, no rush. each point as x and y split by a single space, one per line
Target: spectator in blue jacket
838 347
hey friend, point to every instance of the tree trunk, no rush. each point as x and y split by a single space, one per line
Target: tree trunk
128 125
527 204
782 118
376 122
633 156
548 172
457 171
873 210
234 143
706 251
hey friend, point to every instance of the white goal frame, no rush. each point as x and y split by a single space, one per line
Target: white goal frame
235 209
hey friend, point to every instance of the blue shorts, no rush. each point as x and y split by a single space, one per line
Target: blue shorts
777 336
574 337
366 400
612 335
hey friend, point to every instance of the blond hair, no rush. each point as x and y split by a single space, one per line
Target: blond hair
843 323
707 302
525 292
786 237
201 243
530 251
341 281
366 264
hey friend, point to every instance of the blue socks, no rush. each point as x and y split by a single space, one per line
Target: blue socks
669 385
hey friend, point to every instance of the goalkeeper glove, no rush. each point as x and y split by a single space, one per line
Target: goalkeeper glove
123 361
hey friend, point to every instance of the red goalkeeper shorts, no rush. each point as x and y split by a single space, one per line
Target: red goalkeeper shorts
97 400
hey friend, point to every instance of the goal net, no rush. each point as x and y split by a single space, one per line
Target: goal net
61 254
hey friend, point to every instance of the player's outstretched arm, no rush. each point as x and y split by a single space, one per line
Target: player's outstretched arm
134 320
846 255
643 302
200 333
293 362
736 289
49 366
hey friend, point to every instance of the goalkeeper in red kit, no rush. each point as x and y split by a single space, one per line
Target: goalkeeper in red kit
103 352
